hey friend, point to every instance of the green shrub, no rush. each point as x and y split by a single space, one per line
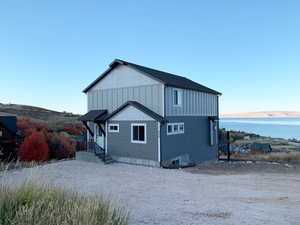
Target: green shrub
32 205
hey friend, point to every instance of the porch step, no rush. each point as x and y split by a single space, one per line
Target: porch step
108 159
100 155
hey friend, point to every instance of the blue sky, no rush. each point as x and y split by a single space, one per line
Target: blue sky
248 50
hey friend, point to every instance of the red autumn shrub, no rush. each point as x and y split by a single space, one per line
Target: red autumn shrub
34 148
74 129
61 147
29 126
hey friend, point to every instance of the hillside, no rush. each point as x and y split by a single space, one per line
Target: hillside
263 114
37 114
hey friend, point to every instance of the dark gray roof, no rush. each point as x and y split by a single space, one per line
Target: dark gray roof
10 122
94 115
140 107
164 77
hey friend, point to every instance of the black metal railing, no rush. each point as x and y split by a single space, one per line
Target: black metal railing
94 147
224 145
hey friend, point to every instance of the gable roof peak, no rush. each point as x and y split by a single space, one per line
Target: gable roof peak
164 77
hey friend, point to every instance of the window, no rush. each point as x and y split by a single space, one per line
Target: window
181 127
138 133
113 128
177 95
170 128
175 128
1 132
213 132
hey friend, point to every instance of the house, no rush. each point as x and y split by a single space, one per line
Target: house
145 116
8 134
260 148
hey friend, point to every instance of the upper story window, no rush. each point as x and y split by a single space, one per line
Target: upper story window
177 97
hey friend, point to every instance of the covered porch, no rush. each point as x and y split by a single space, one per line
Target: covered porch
94 121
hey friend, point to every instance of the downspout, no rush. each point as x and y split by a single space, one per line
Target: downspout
159 142
105 139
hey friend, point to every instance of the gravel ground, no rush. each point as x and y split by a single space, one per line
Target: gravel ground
177 197
244 167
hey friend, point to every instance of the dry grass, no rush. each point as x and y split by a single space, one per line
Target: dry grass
281 157
16 165
4 166
32 205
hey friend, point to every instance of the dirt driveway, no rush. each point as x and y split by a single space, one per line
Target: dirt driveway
177 197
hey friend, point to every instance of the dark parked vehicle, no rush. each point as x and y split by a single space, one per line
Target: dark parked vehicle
10 138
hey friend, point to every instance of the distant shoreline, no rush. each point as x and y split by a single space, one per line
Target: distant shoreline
236 117
287 127
265 114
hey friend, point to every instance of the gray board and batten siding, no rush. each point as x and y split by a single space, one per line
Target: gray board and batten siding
194 103
111 99
195 141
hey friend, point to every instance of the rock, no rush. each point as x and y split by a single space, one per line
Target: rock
287 165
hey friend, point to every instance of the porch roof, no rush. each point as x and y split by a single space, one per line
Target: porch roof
94 115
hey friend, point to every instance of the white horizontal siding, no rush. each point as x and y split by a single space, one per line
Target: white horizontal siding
131 113
194 103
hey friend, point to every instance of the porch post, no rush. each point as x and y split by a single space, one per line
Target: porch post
101 128
87 127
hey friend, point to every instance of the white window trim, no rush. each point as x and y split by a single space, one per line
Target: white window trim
113 131
179 96
172 132
139 142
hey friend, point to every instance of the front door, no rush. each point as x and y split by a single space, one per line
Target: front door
99 137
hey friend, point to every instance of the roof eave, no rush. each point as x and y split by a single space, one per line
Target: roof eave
111 67
194 89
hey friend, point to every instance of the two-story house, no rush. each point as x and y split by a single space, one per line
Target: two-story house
145 116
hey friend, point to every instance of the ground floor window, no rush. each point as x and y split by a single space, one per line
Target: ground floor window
175 128
113 128
213 132
138 133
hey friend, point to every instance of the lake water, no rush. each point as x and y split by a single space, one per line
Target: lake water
271 127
